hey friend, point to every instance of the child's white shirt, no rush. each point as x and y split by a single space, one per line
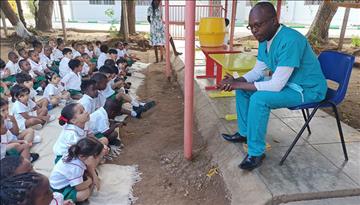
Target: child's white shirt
85 69
97 51
108 90
45 61
70 135
100 100
76 53
64 67
6 138
36 66
52 90
56 55
32 93
90 53
12 67
101 60
67 173
99 121
72 81
88 103
120 53
18 108
58 199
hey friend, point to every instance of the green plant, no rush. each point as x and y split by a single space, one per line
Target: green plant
111 14
355 41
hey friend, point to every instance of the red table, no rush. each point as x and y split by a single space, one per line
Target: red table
210 62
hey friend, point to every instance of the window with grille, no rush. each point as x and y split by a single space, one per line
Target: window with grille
312 2
143 2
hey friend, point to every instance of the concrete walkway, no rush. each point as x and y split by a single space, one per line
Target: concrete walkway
315 169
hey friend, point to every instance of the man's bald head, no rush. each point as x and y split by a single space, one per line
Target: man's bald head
265 8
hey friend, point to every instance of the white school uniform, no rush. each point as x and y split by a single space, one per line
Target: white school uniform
58 199
99 121
56 55
52 90
88 103
12 67
67 174
70 135
120 53
36 66
101 60
18 108
90 53
45 61
85 69
108 90
76 53
97 51
64 67
32 93
6 138
100 100
72 81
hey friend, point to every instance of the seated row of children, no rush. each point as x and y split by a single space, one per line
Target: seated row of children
88 135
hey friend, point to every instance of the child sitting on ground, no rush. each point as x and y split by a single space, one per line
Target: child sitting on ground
97 50
37 68
10 123
27 81
88 67
90 92
25 111
14 165
54 91
10 146
64 63
103 56
120 49
29 188
38 46
73 119
45 59
78 50
57 53
23 53
112 54
72 80
129 57
67 177
90 50
12 65
5 76
100 122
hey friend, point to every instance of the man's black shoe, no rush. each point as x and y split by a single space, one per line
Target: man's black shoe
250 162
234 138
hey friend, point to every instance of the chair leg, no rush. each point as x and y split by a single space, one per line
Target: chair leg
299 134
305 119
340 131
308 114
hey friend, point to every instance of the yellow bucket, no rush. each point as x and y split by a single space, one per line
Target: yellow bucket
212 31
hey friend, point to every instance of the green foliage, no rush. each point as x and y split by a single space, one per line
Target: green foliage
355 41
111 14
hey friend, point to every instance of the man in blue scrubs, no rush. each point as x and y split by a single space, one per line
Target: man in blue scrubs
296 78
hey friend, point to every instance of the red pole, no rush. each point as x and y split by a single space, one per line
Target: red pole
210 8
233 19
278 9
167 45
189 77
226 8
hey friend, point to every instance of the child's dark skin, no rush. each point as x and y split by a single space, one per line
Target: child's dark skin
43 195
92 91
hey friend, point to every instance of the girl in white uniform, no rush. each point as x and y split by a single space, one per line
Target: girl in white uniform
54 91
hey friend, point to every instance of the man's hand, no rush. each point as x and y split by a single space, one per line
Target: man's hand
226 83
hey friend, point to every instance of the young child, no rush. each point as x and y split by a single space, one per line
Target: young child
90 50
100 122
23 53
97 51
10 123
27 81
45 58
25 67
103 55
38 47
101 84
88 67
36 67
14 165
54 91
113 55
12 65
67 177
132 58
29 188
72 80
10 146
88 87
64 63
5 77
57 54
25 111
120 49
78 50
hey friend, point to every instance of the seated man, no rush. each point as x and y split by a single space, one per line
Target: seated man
297 78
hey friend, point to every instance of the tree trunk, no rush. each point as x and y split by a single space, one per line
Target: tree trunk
318 33
14 20
131 18
43 15
20 12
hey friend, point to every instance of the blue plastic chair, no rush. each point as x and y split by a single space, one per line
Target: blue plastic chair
337 67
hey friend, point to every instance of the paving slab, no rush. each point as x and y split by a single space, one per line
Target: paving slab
334 201
324 130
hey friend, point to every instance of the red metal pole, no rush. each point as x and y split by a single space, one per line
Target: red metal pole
226 8
233 19
210 8
189 77
278 9
167 45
